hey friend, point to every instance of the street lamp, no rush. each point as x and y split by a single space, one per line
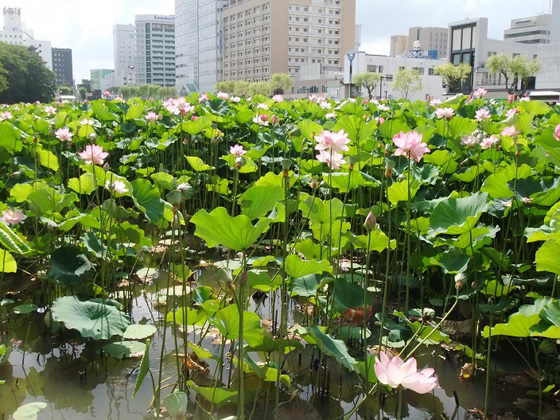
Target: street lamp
351 56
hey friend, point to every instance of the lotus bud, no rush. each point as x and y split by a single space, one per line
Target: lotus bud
314 183
239 162
286 164
106 167
459 281
352 160
389 166
275 119
92 136
370 222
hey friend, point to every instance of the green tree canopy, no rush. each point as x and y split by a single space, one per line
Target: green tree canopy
453 75
27 78
514 69
368 81
407 82
281 81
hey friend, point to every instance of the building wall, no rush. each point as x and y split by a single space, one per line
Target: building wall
199 44
15 33
62 66
431 38
155 50
124 39
97 75
389 66
529 30
263 37
399 44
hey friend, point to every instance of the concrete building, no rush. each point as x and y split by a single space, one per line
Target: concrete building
399 44
263 37
198 44
97 75
388 66
469 43
529 30
124 39
15 33
431 39
155 50
62 66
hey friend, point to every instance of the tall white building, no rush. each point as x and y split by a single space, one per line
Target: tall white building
155 50
529 30
198 44
124 38
15 33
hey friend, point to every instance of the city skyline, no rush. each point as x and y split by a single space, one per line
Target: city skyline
91 39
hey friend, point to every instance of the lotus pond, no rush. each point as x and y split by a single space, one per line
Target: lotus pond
216 257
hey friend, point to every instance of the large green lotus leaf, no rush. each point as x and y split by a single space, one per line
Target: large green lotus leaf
551 312
29 411
460 126
194 127
147 199
550 229
355 127
91 319
458 215
306 286
454 261
332 347
547 257
309 129
248 167
518 325
198 164
84 185
497 184
10 137
261 280
296 267
392 127
227 321
176 404
7 262
544 192
219 228
135 111
218 396
69 266
125 349
347 295
399 191
376 241
48 159
344 181
139 332
319 211
102 112
258 201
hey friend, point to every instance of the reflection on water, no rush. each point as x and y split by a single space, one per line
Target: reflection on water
79 382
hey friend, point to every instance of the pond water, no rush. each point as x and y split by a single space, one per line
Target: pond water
78 381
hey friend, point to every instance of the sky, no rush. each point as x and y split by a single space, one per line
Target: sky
86 26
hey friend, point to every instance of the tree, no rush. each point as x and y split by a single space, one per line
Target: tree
281 82
227 87
514 69
453 76
241 87
65 90
407 82
83 93
368 81
259 88
27 77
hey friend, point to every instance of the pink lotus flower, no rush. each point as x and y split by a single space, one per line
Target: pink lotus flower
510 131
331 158
410 145
394 372
237 150
223 95
274 119
489 142
86 121
480 92
446 113
435 102
512 112
6 115
118 186
557 132
236 99
50 110
261 120
482 114
94 154
380 120
63 134
106 93
152 116
326 105
337 142
203 97
277 98
13 217
330 115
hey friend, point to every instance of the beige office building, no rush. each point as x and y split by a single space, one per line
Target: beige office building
399 45
431 38
263 37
